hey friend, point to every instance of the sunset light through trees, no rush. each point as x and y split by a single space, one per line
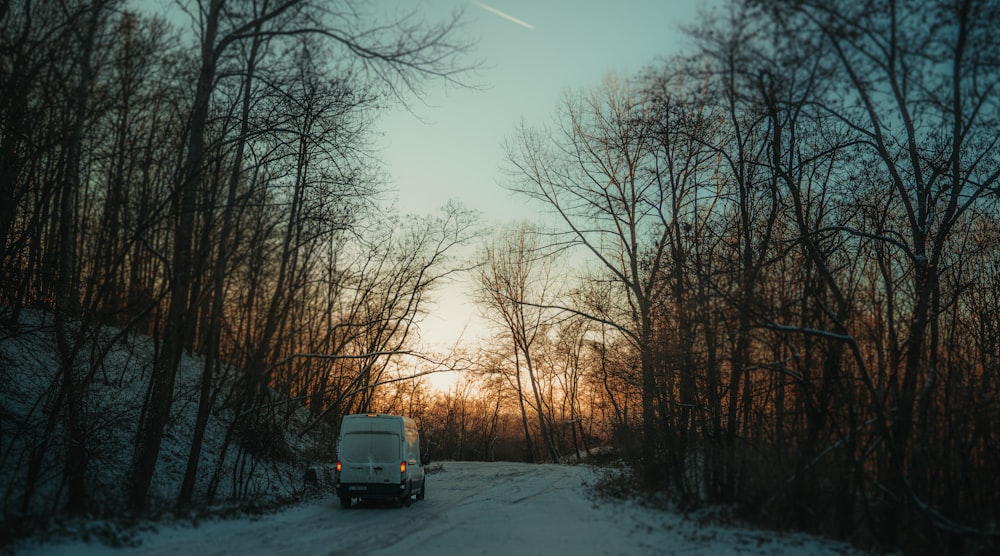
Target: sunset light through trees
767 276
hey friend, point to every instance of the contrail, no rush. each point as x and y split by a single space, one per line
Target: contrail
506 16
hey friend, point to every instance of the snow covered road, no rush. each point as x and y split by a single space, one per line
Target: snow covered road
471 508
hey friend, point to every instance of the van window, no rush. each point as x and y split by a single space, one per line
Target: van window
412 443
377 445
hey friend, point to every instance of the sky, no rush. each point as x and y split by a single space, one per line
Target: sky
449 145
533 51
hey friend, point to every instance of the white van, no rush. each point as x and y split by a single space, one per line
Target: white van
379 457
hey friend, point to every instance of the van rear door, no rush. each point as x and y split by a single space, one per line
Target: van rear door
371 453
370 456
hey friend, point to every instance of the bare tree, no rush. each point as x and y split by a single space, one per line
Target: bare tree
920 100
570 367
516 282
405 56
215 314
93 17
597 173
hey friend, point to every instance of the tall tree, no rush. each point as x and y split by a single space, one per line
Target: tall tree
93 16
594 173
401 53
922 101
235 178
517 282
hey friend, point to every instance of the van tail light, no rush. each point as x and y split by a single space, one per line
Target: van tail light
402 466
338 466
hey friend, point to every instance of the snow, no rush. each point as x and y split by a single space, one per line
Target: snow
30 373
478 508
471 507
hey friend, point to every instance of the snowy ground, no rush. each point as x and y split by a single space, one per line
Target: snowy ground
471 508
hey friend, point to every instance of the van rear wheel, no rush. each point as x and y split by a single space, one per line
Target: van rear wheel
406 499
423 489
345 502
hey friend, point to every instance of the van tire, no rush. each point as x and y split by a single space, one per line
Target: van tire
407 498
423 489
345 502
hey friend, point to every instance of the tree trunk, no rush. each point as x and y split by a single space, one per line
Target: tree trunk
543 427
650 435
219 275
67 293
160 400
524 414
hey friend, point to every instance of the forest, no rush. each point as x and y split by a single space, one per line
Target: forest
771 279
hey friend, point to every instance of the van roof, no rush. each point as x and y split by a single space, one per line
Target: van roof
362 416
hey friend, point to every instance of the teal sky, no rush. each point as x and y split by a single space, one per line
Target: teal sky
450 146
533 52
